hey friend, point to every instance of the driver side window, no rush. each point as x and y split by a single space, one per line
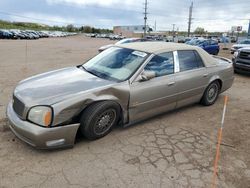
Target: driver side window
161 64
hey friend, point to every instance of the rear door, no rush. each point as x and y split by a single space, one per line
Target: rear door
214 47
192 78
207 47
157 95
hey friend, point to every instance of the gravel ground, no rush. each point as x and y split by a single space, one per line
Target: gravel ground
176 149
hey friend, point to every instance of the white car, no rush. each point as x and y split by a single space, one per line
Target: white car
241 44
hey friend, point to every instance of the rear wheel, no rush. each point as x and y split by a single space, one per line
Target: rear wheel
211 94
98 119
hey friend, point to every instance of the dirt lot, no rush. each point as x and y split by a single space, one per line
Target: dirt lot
172 150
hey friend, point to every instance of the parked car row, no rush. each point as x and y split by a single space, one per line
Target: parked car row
31 34
178 39
155 38
108 36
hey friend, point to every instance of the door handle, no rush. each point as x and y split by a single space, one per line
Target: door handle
171 83
205 75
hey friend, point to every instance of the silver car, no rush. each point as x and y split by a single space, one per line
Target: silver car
122 85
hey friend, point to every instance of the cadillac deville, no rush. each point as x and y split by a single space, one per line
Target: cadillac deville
122 85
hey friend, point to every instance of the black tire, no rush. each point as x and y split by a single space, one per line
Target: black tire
216 53
235 71
98 119
211 94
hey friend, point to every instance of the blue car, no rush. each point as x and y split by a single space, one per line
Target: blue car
209 45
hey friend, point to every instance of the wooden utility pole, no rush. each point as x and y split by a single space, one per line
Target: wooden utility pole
248 35
145 17
190 18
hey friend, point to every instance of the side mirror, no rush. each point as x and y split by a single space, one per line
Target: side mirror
146 75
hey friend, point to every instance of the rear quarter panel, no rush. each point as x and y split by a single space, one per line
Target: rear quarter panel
223 71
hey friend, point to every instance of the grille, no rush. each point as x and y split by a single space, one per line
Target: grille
18 106
242 62
244 55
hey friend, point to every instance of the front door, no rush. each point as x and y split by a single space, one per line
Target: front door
156 95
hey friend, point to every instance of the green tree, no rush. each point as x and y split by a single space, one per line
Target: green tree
70 28
86 29
199 30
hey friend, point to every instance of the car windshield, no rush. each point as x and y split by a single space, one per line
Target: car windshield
200 42
245 42
115 63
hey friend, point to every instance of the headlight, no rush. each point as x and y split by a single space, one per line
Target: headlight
41 115
236 53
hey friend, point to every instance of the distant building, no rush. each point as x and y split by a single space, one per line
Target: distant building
129 31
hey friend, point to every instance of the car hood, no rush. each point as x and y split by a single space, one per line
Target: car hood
55 86
245 49
241 45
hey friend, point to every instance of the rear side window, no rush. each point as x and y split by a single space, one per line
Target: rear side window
189 59
162 64
213 42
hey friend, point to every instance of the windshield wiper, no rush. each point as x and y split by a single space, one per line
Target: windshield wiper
95 73
99 74
91 72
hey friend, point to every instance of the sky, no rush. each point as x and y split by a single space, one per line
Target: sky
213 15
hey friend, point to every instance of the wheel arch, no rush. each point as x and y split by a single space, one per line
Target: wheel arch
203 99
215 78
122 114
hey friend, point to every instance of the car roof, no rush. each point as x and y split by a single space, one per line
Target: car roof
157 47
160 47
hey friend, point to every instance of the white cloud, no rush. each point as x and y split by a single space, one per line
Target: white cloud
60 20
213 15
43 18
91 2
210 15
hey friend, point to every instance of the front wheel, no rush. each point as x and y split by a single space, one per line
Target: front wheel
211 94
216 52
98 119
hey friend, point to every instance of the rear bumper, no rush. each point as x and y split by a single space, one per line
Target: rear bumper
40 137
227 84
